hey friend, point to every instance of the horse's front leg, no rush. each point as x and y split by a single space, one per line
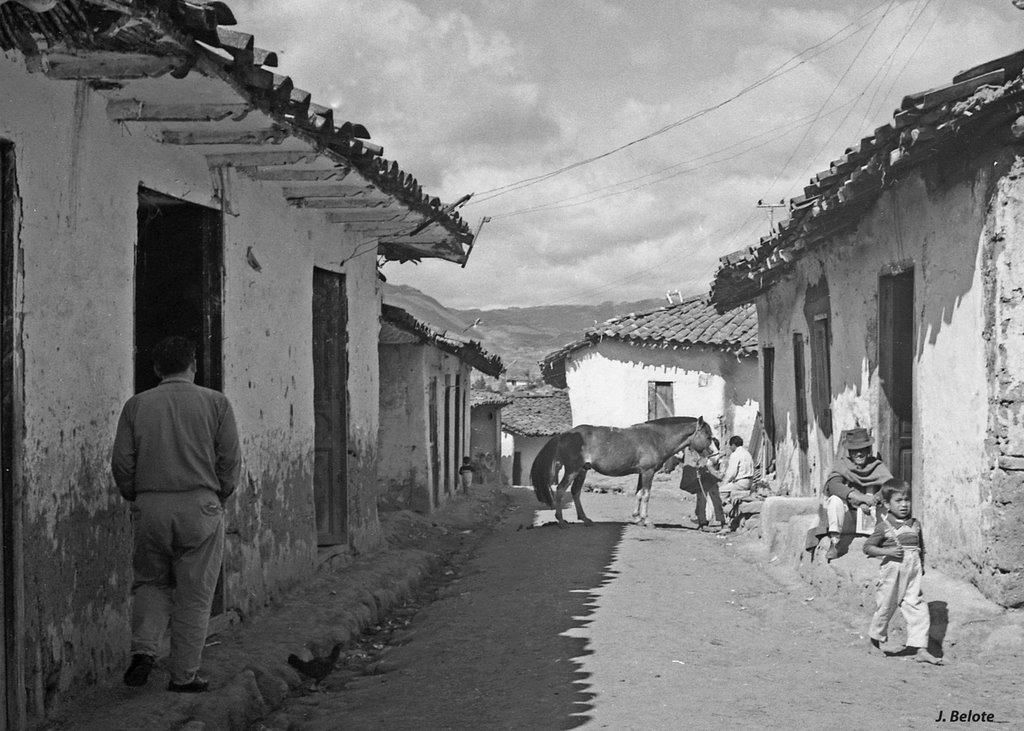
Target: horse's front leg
577 488
643 497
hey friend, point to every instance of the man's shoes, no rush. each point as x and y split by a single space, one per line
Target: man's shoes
138 671
196 685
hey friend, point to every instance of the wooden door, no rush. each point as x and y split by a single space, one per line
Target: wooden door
896 372
768 405
330 407
800 391
821 388
659 400
12 669
435 457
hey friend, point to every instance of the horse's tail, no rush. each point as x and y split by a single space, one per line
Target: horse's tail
542 469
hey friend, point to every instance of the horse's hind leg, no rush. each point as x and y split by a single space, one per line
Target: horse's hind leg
563 485
577 488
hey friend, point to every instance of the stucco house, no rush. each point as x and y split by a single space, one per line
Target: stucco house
156 177
485 415
683 359
890 299
527 424
424 408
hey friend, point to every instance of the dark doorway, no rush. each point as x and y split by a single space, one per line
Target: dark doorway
179 275
435 457
178 284
896 371
768 405
447 448
330 407
460 440
12 698
800 393
517 468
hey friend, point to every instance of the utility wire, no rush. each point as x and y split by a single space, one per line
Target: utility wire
775 73
592 195
835 88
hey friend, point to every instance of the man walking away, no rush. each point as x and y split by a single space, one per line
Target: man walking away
176 458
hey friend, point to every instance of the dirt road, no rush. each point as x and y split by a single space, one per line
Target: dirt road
622 627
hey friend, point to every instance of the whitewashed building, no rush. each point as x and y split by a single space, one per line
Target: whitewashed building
424 408
684 359
891 299
157 178
526 425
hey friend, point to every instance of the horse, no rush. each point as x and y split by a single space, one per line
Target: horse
641 449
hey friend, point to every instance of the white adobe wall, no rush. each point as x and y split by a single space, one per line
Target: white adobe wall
942 230
608 385
78 178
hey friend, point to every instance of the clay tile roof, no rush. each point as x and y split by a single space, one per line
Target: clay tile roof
479 397
978 102
179 37
690 323
537 415
469 351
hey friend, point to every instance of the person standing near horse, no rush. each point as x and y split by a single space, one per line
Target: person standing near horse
856 475
701 477
176 458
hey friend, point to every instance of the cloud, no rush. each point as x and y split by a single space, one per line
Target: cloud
477 96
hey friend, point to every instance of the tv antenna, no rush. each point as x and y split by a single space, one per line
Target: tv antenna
771 211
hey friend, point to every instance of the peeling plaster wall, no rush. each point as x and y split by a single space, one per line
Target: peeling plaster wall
608 385
405 474
952 222
528 447
485 443
78 178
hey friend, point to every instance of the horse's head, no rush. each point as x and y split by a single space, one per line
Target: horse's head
700 440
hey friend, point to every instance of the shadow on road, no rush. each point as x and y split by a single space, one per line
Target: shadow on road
567 565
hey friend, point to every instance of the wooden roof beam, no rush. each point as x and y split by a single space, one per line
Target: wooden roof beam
351 203
272 135
327 190
297 175
133 110
369 215
372 228
107 65
264 158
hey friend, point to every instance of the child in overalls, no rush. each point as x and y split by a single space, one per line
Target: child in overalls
899 542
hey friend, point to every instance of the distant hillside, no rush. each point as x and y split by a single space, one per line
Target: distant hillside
521 336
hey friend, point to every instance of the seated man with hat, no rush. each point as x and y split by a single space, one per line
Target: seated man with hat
856 475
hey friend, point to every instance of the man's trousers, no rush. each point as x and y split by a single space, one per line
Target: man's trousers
179 545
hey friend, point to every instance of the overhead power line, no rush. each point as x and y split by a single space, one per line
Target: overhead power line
779 71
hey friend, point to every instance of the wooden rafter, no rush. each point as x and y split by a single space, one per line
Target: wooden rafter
133 110
107 65
271 135
264 158
285 174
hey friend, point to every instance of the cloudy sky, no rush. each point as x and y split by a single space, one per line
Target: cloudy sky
619 148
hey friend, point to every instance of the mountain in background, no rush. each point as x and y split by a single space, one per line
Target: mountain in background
521 336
